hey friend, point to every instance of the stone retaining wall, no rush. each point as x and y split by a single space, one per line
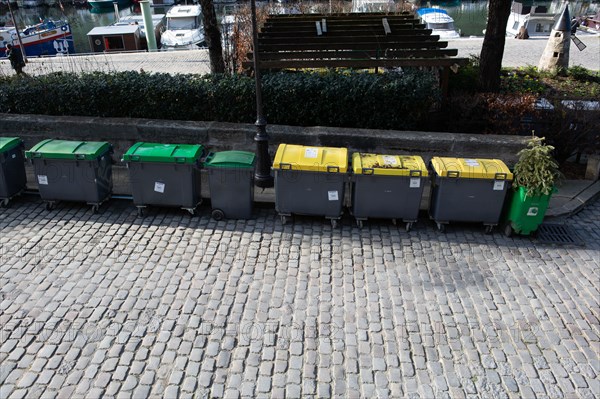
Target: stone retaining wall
220 136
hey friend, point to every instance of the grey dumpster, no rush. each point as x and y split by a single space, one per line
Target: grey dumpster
231 181
73 171
310 181
387 187
165 175
12 169
468 190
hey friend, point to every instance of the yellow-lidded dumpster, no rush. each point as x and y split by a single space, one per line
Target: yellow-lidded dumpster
387 186
310 181
468 190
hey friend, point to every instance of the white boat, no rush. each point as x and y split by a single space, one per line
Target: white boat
439 22
46 38
184 28
536 19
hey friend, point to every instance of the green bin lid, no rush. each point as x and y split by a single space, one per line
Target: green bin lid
63 149
8 143
168 153
230 159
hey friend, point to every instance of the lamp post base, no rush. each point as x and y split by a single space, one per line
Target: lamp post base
262 176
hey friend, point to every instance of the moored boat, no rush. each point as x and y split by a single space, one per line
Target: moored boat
535 19
184 28
46 38
440 23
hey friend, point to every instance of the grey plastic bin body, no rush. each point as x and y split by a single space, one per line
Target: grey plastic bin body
466 200
165 184
87 181
309 193
231 181
386 197
12 172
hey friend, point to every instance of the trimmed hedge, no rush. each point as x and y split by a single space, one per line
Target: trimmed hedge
348 99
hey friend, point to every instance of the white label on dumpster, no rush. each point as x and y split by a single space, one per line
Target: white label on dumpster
332 195
14 156
533 211
415 182
471 162
159 187
311 153
43 179
388 160
498 185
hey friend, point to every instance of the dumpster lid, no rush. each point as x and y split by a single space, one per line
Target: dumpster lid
471 168
8 143
63 149
390 165
230 159
316 159
168 153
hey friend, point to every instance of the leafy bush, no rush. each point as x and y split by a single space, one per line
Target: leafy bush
379 101
536 170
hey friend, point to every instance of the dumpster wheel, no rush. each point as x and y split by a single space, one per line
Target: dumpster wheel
140 211
359 223
4 203
334 223
50 205
284 219
441 227
217 214
508 230
408 226
95 208
489 229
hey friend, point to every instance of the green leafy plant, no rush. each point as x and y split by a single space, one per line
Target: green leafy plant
536 170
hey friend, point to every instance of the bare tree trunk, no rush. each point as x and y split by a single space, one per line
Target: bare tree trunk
212 36
493 45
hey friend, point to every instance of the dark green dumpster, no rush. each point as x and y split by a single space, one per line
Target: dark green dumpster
73 171
231 181
165 175
12 169
526 212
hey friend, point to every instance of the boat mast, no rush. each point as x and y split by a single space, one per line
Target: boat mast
17 30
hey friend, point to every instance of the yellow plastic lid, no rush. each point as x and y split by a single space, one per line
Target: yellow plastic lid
471 168
389 165
314 159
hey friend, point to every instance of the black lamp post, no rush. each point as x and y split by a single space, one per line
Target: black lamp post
262 176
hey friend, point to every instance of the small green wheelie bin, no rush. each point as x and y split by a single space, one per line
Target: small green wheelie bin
231 183
468 190
387 186
78 171
165 175
310 181
525 212
12 169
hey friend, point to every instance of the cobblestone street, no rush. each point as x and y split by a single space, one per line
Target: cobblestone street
110 305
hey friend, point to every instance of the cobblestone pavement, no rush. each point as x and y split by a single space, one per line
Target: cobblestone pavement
110 305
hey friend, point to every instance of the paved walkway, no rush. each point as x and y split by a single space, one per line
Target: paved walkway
517 53
110 305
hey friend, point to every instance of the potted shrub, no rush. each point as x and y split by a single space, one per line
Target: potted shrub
535 177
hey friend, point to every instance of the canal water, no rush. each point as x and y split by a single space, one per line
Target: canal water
470 16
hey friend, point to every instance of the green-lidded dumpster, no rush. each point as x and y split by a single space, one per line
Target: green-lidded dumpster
387 187
525 212
231 183
78 171
165 175
12 169
468 190
310 181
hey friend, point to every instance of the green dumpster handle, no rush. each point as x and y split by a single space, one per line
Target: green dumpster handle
285 166
500 176
368 171
180 160
453 174
79 156
37 154
416 173
333 169
135 157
